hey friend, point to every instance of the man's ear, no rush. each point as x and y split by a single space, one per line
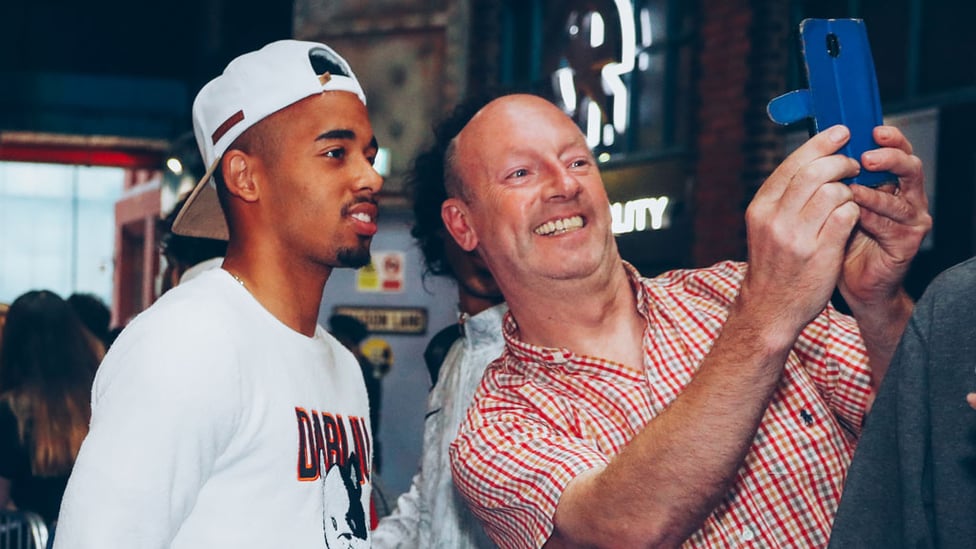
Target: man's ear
242 174
454 212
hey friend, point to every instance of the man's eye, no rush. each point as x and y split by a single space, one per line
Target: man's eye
521 172
336 153
578 163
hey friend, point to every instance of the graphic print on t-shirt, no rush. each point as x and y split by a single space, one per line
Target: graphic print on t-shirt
343 517
336 449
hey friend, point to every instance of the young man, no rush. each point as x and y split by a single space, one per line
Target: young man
714 407
224 416
431 514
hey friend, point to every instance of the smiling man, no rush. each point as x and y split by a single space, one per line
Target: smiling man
711 407
223 408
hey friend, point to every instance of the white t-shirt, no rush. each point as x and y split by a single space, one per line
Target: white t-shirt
215 425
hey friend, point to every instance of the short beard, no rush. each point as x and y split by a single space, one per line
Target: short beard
354 258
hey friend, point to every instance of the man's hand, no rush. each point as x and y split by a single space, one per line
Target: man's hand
894 220
971 399
798 226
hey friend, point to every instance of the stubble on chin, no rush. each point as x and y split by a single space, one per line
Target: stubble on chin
354 258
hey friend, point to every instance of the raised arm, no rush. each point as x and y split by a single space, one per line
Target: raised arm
401 528
674 473
894 220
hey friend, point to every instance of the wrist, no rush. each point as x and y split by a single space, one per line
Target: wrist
768 331
892 311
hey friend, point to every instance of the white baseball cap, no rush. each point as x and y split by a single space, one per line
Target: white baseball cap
252 87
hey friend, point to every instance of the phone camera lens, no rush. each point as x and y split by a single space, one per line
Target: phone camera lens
833 45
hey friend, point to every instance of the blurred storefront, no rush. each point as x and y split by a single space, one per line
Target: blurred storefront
93 87
672 96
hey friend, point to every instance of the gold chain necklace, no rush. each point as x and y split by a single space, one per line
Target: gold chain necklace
238 279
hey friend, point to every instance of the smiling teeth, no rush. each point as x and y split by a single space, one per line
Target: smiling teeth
362 217
560 226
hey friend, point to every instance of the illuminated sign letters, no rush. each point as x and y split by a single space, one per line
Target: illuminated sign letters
601 51
632 215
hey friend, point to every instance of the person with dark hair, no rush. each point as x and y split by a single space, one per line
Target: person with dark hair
4 307
430 514
351 332
47 364
221 409
477 290
711 407
95 315
186 256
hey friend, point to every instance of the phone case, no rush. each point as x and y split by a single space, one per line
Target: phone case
843 88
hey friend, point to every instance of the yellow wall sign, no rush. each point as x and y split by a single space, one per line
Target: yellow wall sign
385 273
388 320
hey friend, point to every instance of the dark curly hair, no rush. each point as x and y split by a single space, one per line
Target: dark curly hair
425 183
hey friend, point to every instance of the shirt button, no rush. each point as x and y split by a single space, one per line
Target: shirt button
747 534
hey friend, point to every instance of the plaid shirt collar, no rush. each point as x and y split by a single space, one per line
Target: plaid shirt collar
528 354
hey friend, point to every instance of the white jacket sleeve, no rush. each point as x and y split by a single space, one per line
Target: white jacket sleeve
401 528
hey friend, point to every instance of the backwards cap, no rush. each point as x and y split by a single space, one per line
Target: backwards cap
252 87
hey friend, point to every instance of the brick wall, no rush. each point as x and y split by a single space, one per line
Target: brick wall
742 64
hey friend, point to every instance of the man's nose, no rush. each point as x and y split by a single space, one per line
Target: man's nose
563 184
370 179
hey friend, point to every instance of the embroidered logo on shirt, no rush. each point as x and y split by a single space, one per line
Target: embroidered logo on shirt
806 417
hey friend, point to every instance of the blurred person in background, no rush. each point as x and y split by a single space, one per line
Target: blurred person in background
4 307
431 514
185 256
95 315
351 332
47 365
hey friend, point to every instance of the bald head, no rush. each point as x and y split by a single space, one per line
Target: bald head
512 119
528 197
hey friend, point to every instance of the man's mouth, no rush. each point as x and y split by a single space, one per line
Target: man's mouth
560 226
362 216
363 213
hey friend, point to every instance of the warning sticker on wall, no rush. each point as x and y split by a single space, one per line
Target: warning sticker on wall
385 273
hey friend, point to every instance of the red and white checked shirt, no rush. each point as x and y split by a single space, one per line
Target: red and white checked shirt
542 416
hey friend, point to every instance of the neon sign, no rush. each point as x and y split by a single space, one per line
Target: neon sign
632 216
591 84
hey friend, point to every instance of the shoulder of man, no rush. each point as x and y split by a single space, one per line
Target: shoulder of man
437 349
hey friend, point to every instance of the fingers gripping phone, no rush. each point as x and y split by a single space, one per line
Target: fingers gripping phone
843 89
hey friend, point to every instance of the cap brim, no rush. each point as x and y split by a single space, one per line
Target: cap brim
201 215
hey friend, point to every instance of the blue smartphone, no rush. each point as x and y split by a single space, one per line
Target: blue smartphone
843 89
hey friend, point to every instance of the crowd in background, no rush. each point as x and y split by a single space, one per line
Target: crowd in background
50 349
